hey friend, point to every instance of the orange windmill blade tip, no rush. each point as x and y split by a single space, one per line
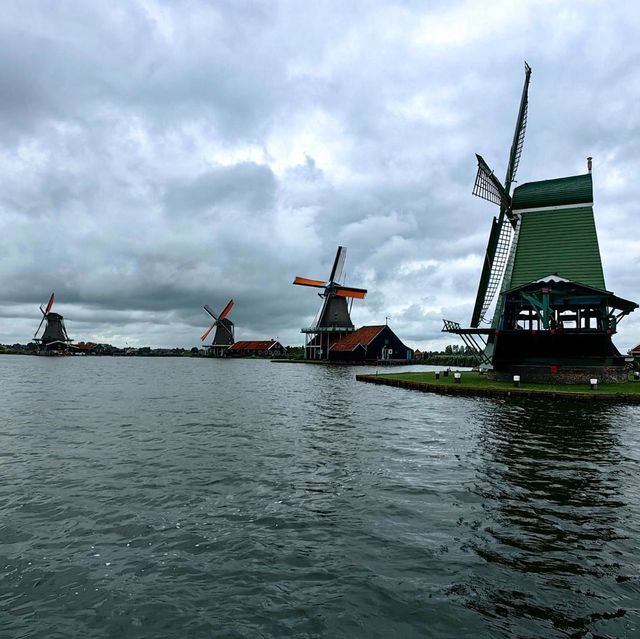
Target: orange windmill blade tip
50 303
226 310
358 293
204 335
304 281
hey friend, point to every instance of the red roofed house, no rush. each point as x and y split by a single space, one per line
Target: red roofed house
635 353
262 348
370 343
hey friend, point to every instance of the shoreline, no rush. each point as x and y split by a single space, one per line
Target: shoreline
326 362
448 387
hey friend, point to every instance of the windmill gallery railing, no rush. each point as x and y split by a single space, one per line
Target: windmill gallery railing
328 329
472 338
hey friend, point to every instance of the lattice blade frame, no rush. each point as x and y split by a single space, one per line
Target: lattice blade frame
488 187
518 135
498 266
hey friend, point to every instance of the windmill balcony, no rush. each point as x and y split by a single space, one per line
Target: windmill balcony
328 329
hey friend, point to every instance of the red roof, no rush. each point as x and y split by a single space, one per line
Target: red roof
263 345
636 349
364 336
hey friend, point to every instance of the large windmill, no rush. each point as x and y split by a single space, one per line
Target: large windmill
54 338
334 319
224 335
553 318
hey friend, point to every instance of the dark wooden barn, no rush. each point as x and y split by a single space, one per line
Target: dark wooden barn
369 344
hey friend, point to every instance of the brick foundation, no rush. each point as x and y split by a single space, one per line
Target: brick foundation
562 374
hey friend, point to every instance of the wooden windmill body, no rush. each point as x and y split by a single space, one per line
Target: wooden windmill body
54 339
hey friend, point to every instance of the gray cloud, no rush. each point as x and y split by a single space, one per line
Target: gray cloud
158 156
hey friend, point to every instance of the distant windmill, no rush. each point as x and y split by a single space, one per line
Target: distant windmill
334 320
224 335
54 338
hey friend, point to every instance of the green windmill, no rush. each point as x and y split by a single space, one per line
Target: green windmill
553 318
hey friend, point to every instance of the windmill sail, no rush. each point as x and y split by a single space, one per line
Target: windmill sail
518 136
206 333
44 312
488 187
226 310
305 281
338 264
348 291
495 262
49 303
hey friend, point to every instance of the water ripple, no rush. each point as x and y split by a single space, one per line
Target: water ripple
187 497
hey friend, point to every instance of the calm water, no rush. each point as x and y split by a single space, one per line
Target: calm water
204 498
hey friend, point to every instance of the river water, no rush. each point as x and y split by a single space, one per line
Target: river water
165 497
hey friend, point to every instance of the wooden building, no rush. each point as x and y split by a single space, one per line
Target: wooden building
370 344
260 348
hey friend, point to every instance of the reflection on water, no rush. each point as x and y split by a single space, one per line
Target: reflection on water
552 534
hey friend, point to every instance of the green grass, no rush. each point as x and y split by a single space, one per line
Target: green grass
475 380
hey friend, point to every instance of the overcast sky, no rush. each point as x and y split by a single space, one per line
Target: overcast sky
157 156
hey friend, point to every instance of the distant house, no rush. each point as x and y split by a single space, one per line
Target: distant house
635 353
370 343
85 347
261 348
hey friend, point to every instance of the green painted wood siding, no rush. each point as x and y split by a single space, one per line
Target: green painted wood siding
577 189
562 242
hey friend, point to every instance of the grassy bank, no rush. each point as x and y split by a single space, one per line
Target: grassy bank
472 383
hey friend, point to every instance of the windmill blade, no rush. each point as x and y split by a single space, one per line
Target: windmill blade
348 291
226 310
488 187
518 135
206 333
495 262
303 281
39 325
208 309
338 264
49 303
